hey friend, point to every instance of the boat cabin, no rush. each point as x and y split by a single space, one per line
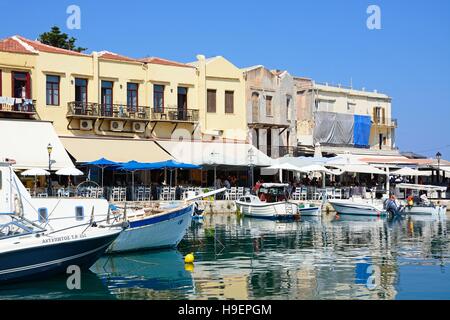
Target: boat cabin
273 192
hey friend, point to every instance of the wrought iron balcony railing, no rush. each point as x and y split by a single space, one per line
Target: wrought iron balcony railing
119 111
385 122
18 106
175 114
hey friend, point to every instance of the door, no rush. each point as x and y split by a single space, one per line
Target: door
182 104
21 85
107 98
380 141
80 96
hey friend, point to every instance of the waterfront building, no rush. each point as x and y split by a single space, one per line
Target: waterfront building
343 119
271 110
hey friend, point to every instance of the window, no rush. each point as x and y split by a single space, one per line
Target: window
211 100
132 96
158 98
42 215
52 90
351 107
79 213
81 90
255 107
229 101
288 106
268 106
325 105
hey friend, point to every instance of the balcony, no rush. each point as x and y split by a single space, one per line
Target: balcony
385 122
18 108
107 111
175 115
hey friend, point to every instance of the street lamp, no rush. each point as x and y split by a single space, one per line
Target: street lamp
251 156
213 161
438 157
49 183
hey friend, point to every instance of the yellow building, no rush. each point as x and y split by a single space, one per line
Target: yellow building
102 103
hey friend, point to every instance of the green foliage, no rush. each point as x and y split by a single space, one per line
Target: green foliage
58 39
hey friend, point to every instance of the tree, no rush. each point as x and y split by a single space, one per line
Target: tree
60 40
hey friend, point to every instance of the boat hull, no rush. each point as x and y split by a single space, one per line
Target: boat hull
358 209
40 262
311 211
154 232
424 210
278 210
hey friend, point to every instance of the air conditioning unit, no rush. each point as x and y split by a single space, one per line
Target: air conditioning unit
138 127
86 125
116 126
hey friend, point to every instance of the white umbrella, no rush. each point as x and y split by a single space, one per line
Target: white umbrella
69 172
360 168
285 166
316 168
35 172
404 172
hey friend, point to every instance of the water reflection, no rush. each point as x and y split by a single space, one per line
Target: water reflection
340 258
344 257
146 275
56 288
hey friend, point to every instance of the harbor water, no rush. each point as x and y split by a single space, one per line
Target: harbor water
243 258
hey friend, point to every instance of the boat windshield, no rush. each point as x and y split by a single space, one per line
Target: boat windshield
272 194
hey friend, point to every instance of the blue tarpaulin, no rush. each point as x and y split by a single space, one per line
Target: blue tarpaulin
361 130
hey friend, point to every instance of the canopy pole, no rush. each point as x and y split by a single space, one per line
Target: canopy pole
388 186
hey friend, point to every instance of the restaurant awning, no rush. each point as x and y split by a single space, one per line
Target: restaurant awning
216 153
26 141
118 150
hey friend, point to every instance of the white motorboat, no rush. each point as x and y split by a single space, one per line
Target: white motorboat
358 207
424 209
252 206
37 249
28 252
416 205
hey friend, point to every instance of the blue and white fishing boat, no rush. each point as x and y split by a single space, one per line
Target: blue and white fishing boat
152 228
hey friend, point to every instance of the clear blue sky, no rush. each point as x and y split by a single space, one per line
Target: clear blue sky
327 40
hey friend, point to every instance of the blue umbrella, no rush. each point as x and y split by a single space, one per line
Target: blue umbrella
102 163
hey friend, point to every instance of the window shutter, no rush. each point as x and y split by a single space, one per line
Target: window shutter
229 102
383 115
211 101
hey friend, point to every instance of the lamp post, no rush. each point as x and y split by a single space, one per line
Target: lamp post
251 156
438 157
49 183
214 163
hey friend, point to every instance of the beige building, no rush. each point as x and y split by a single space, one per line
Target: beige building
271 110
326 115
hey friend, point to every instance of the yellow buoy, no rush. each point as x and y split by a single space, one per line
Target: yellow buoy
189 258
189 267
